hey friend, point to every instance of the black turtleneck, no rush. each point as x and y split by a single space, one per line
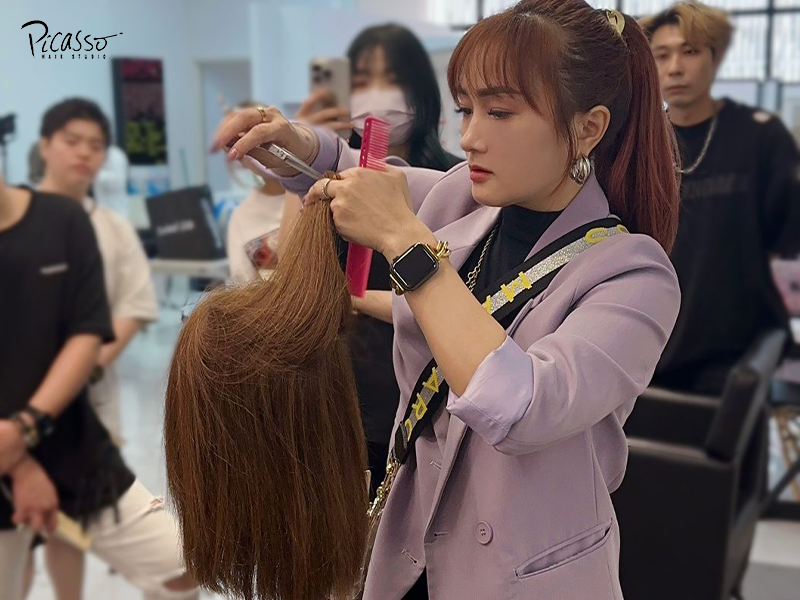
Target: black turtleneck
518 230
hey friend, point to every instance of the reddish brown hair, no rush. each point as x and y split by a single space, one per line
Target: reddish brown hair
265 451
565 58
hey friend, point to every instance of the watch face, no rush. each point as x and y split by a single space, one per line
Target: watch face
415 266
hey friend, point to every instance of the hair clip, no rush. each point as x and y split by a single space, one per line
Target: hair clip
617 20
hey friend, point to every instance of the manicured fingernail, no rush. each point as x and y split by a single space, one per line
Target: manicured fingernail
233 154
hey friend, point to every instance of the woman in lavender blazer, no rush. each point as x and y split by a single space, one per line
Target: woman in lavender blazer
506 494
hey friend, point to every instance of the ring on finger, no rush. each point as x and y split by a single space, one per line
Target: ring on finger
263 112
325 194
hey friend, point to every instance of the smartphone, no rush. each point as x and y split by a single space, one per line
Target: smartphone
332 73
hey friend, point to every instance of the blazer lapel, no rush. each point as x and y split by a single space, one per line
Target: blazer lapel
589 205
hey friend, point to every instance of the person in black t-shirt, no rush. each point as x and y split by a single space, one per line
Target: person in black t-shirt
740 204
54 452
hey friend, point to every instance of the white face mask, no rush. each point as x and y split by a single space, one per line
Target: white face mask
387 104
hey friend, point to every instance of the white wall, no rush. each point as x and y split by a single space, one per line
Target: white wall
151 29
229 80
285 39
277 37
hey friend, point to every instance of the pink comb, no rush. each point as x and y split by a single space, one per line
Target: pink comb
374 149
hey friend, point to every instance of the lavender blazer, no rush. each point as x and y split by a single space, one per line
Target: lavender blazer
507 496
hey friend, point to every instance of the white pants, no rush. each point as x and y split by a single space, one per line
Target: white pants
144 547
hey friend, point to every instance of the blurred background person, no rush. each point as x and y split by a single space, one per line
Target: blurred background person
392 79
74 137
52 445
740 203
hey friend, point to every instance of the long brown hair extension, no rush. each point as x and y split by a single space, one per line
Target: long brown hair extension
265 450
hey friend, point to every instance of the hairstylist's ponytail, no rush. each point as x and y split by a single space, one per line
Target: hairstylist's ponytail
264 445
638 171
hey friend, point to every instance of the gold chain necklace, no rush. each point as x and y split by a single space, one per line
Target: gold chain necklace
472 278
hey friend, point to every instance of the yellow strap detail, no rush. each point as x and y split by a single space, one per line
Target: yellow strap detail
420 408
508 293
525 281
433 381
596 235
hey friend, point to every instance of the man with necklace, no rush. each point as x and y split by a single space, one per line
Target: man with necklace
740 203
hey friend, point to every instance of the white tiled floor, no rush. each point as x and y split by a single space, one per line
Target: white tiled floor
143 371
778 543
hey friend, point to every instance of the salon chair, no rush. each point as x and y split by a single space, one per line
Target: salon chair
690 500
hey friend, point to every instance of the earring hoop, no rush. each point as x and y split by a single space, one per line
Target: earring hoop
581 169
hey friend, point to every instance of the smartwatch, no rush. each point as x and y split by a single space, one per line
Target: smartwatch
415 266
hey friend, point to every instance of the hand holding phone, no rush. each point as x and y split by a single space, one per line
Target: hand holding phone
329 100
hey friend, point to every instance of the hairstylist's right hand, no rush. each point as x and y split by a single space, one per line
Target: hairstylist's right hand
330 117
35 497
243 132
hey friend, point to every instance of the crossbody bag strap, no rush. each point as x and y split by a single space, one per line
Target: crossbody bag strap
502 299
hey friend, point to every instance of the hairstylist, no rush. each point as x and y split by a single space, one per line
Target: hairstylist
392 79
505 491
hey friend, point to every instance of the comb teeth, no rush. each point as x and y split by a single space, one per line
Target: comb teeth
375 144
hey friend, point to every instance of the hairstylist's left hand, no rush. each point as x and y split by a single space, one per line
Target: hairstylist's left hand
371 208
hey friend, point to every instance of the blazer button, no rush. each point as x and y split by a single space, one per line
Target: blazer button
483 531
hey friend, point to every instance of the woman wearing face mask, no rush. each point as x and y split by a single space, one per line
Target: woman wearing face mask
392 79
504 491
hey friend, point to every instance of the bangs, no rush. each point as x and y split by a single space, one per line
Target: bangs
509 53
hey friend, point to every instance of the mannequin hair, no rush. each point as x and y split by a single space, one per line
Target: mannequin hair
265 451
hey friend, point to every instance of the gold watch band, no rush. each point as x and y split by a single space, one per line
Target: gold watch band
440 251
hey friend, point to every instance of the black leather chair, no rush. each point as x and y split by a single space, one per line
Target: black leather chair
689 503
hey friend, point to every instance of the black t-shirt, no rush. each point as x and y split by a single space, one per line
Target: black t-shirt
52 289
518 230
740 205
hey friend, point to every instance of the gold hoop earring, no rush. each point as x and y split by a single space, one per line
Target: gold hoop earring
581 169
